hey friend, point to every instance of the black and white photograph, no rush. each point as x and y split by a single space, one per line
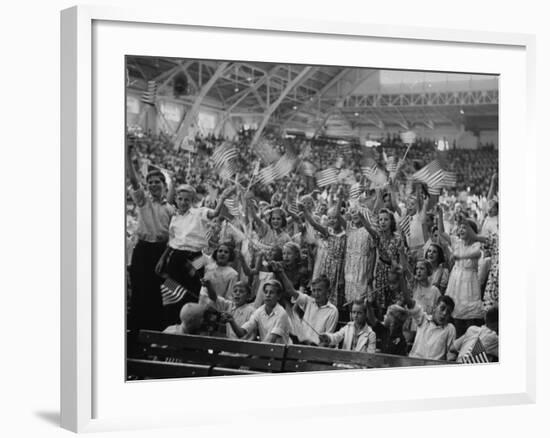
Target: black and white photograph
293 218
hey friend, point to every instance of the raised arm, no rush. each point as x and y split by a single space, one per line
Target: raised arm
368 226
242 262
317 226
340 198
288 287
239 331
225 194
134 180
260 225
392 192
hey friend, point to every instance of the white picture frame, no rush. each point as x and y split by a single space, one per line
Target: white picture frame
92 399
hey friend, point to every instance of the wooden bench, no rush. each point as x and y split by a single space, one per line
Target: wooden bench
164 355
305 358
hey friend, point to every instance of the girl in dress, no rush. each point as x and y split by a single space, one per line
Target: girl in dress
219 274
440 274
463 285
424 293
271 231
388 244
330 262
359 262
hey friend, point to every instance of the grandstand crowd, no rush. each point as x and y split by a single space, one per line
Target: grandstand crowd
361 263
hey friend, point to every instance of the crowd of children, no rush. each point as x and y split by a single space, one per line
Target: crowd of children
393 269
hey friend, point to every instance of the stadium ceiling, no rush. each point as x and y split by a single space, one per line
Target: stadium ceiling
312 97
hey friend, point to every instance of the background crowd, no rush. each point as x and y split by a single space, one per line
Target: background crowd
357 264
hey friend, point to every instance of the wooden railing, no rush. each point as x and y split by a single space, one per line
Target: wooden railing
162 355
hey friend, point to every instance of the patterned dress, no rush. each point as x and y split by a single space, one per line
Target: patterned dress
463 285
358 250
330 262
491 289
388 251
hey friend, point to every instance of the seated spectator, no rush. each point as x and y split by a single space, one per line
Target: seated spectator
435 334
238 307
270 320
356 335
487 335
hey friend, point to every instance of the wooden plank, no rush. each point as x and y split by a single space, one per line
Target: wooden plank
370 360
291 366
212 343
219 371
219 359
164 370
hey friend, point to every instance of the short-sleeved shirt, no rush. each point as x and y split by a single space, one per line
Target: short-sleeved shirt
153 217
188 231
277 322
466 342
318 319
432 341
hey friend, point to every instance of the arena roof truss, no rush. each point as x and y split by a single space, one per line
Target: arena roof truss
289 96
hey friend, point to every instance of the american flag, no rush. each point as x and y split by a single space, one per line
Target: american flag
477 354
149 97
172 292
225 160
356 190
405 225
293 205
232 205
327 177
228 169
449 179
428 171
278 170
223 154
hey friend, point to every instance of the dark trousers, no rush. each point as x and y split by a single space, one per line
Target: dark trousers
145 300
179 268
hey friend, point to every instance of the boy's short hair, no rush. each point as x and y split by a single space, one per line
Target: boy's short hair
359 302
448 301
321 279
274 283
491 317
191 315
156 173
186 188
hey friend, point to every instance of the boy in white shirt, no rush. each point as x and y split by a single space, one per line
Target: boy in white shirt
356 335
270 320
434 334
